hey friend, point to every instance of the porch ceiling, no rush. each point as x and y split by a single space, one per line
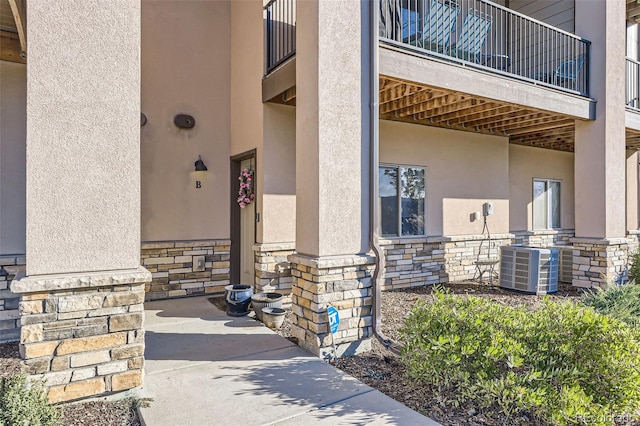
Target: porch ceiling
633 139
633 11
420 104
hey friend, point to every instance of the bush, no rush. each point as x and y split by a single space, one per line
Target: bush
23 403
634 271
562 363
619 302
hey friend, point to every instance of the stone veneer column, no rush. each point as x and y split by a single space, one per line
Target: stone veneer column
81 299
600 159
332 230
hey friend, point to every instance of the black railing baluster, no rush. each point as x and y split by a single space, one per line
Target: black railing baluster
280 32
484 34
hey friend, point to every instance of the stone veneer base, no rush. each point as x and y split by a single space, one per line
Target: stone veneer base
345 282
414 262
597 262
83 333
9 313
544 238
273 270
186 268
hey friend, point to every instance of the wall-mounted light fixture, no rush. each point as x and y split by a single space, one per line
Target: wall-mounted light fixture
200 166
184 121
3 272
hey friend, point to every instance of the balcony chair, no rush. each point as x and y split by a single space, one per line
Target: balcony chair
435 32
566 75
475 28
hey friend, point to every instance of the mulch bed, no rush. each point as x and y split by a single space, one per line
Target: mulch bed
382 369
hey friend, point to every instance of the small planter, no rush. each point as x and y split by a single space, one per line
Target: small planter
273 317
238 298
265 300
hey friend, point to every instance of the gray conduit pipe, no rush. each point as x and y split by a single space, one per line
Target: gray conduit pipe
374 211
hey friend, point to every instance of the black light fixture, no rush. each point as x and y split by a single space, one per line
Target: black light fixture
200 167
3 272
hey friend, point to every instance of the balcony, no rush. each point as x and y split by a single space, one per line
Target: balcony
280 31
484 35
468 65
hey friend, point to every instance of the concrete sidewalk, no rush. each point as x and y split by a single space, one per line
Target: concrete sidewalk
205 368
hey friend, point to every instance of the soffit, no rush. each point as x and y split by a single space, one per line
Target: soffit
421 104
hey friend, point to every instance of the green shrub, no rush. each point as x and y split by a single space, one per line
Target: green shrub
619 302
634 271
23 403
562 363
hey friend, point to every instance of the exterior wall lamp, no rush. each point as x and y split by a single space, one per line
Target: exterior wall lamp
200 166
3 272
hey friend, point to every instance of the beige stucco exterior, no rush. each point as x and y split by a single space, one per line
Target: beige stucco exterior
527 163
278 185
83 133
600 170
464 170
329 142
185 72
13 126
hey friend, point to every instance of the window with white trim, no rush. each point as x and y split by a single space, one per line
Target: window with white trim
402 215
546 204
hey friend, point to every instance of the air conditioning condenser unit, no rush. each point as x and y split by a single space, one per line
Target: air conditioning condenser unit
529 269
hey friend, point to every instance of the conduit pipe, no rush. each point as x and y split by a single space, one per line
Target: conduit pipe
374 185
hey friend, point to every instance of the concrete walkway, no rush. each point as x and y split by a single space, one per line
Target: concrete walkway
205 368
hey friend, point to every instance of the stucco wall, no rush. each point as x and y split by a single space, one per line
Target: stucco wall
278 222
526 163
464 170
13 126
185 69
83 173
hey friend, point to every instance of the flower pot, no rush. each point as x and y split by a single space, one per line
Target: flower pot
273 317
265 300
238 298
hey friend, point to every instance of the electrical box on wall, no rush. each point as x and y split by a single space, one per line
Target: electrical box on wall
487 209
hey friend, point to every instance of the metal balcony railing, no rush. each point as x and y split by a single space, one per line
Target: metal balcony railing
633 84
280 32
488 36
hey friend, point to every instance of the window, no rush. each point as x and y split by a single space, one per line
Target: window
402 215
546 204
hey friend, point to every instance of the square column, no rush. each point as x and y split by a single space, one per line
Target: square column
332 175
600 158
81 299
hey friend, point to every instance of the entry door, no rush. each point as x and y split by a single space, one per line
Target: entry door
247 236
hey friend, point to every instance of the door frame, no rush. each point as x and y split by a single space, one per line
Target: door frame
235 210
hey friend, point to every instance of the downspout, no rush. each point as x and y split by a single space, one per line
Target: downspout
374 184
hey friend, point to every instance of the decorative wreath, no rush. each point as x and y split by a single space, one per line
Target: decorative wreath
245 194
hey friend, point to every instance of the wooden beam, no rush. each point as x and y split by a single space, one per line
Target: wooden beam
10 48
546 125
485 112
289 94
485 121
409 105
18 9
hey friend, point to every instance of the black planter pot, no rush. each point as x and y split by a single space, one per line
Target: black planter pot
238 299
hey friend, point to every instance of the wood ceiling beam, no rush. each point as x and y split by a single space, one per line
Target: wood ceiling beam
448 103
433 100
541 126
497 118
18 9
484 112
10 48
